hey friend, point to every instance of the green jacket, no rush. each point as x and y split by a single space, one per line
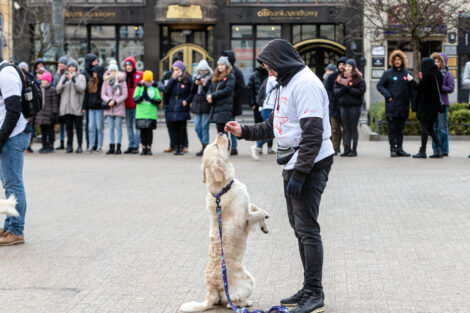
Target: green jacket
146 109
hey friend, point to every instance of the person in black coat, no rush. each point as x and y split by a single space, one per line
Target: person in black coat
349 90
94 107
253 88
221 94
91 60
239 94
427 105
335 115
395 86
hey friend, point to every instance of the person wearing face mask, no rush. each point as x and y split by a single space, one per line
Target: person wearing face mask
72 87
179 91
199 106
349 89
47 117
220 94
114 95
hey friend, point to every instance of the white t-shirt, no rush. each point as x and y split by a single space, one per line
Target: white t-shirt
304 96
10 85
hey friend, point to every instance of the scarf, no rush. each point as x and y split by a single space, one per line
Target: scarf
113 81
343 80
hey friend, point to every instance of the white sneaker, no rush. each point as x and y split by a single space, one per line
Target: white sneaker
254 152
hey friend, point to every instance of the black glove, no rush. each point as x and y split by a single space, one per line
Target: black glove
139 99
145 95
294 188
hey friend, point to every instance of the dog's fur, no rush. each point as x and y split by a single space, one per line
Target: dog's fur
8 206
239 216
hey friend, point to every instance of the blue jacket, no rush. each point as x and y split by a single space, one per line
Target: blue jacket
178 91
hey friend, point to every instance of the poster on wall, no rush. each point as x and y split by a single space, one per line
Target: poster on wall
378 62
377 73
378 51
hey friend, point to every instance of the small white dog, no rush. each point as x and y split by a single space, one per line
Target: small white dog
8 206
239 216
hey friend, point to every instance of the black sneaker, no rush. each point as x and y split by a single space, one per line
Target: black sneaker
234 152
311 302
293 300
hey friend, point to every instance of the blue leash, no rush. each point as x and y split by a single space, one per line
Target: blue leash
281 309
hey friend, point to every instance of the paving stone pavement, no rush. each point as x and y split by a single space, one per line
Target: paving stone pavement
130 233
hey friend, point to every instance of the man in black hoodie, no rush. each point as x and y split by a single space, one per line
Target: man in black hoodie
238 96
91 60
300 122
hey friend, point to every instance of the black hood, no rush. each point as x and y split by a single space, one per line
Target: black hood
39 60
230 55
98 69
281 56
428 66
341 60
89 58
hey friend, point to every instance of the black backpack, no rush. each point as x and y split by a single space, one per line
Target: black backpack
31 94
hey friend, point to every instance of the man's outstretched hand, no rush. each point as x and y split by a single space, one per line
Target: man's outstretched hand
234 128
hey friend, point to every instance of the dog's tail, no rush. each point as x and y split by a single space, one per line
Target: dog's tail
194 306
8 206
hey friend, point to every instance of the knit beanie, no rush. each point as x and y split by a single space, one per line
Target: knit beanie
223 60
113 66
148 76
179 64
203 66
351 62
47 76
72 62
64 60
331 67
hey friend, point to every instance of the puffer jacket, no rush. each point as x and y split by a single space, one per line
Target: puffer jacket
254 85
132 78
448 83
119 97
50 106
178 91
351 95
427 101
221 90
94 101
72 94
239 97
199 103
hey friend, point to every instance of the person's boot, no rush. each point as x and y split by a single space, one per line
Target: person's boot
111 149
200 153
118 149
438 154
79 149
311 302
234 152
61 147
144 151
43 150
129 150
149 150
293 300
401 152
168 150
346 151
69 149
179 150
135 150
421 154
9 239
393 152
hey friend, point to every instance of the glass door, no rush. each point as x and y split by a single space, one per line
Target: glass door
190 54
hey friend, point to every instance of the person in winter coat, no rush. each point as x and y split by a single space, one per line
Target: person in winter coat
335 114
61 68
238 96
91 60
179 91
47 117
147 97
114 95
427 105
199 106
349 89
133 77
94 107
395 86
253 88
72 87
440 127
302 128
221 94
466 81
39 68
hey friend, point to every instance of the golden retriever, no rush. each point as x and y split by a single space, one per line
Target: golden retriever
8 206
239 217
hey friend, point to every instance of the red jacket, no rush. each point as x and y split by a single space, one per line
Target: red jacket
137 78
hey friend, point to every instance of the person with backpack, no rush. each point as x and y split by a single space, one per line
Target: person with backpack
114 95
72 87
61 69
94 107
133 77
238 96
147 97
199 106
47 117
15 136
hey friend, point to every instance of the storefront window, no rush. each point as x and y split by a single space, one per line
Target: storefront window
340 33
242 31
301 32
243 50
133 48
327 31
296 33
103 32
104 50
131 32
268 31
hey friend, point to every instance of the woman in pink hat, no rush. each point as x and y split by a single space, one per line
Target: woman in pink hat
47 117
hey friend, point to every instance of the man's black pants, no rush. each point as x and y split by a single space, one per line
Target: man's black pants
396 130
303 217
70 122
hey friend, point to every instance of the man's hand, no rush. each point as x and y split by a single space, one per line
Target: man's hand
420 75
234 128
111 103
185 103
409 77
209 98
294 188
175 75
390 99
204 82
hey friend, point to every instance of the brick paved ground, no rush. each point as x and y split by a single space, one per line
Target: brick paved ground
129 233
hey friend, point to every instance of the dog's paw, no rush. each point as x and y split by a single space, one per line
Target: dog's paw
189 307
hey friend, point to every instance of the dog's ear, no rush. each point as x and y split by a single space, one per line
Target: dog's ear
203 168
218 171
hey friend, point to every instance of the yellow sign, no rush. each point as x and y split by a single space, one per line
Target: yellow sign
90 15
193 12
287 13
452 62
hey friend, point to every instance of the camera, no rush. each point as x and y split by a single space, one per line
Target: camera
201 76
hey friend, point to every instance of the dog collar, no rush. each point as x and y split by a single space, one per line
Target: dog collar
224 191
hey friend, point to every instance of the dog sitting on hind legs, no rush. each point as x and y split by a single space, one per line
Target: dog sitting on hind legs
239 217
